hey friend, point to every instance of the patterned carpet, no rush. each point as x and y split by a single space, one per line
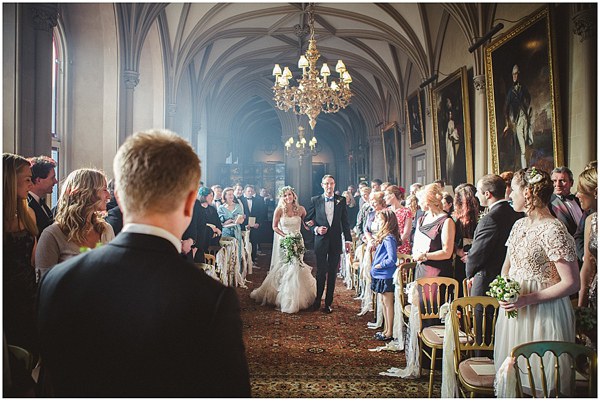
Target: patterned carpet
313 354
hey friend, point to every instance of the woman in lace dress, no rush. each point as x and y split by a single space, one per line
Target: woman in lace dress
541 258
587 192
289 286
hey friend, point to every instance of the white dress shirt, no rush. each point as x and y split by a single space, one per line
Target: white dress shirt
329 209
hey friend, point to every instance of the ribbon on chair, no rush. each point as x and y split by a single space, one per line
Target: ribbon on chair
223 265
347 270
365 279
449 385
398 329
413 368
505 383
248 254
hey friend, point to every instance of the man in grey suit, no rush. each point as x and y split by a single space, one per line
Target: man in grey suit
564 205
486 256
133 318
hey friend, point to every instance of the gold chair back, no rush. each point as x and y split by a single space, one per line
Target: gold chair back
557 348
210 259
405 276
433 293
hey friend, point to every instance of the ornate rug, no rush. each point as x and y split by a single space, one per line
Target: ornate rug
314 354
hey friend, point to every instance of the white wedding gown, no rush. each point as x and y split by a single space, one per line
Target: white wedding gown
289 286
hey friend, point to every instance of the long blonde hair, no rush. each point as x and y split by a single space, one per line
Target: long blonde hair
13 165
78 204
283 206
389 226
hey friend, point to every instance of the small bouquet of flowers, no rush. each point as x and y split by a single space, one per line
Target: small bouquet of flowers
505 289
83 249
293 246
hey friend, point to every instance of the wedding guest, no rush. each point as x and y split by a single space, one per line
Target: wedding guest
358 195
359 229
384 266
371 226
441 184
447 203
231 214
415 187
384 185
112 203
465 216
254 206
393 197
19 241
43 178
417 215
208 224
218 191
79 222
587 193
132 318
579 235
541 258
433 246
376 185
563 205
115 218
352 208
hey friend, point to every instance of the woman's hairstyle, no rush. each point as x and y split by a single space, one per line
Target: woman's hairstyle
377 196
413 203
396 191
389 226
507 176
448 198
537 187
79 202
431 195
351 203
588 180
466 209
365 190
224 194
11 166
283 206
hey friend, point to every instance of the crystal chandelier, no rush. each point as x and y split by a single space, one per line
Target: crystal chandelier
299 149
313 94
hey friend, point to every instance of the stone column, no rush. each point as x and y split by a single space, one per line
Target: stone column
584 25
171 111
44 20
132 78
480 132
376 157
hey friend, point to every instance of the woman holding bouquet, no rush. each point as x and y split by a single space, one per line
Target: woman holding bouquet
289 285
541 258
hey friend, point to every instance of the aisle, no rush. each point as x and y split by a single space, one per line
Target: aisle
313 354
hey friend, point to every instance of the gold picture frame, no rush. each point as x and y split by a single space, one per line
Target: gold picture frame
452 129
524 115
391 153
414 119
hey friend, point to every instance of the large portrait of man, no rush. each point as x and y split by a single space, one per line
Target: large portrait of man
522 97
452 129
391 153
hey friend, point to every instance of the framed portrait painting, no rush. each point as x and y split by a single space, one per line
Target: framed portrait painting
452 129
414 119
522 93
391 153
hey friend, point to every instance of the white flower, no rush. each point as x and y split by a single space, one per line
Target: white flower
511 297
535 179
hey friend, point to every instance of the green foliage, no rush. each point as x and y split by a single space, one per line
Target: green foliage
293 246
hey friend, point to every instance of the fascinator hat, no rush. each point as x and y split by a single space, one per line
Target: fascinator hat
203 191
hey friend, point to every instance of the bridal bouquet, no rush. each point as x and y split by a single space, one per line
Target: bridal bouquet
505 289
293 246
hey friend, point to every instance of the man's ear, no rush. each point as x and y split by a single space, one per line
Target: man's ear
188 207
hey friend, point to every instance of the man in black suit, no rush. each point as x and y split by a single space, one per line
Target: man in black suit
133 318
563 205
328 216
488 251
43 178
254 206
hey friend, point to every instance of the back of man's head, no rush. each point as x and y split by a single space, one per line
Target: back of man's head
494 184
154 171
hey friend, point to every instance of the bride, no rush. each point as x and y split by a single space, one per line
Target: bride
289 286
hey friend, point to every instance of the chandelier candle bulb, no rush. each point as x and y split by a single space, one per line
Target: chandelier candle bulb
339 68
325 70
303 62
277 71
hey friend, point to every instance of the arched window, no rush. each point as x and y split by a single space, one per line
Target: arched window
58 102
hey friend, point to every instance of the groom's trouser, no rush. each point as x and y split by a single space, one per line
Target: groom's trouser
327 265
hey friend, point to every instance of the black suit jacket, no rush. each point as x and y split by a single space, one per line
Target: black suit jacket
41 218
134 319
339 224
115 219
487 254
561 211
259 209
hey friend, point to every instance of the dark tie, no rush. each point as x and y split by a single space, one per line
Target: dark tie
44 207
566 198
329 199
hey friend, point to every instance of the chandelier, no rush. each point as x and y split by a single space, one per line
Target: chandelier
313 94
299 149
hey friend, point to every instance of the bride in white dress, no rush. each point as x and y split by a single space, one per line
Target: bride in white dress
289 286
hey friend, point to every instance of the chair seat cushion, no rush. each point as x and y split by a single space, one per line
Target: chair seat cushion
471 377
434 335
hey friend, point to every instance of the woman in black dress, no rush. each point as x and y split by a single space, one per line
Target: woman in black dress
466 211
208 223
18 272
